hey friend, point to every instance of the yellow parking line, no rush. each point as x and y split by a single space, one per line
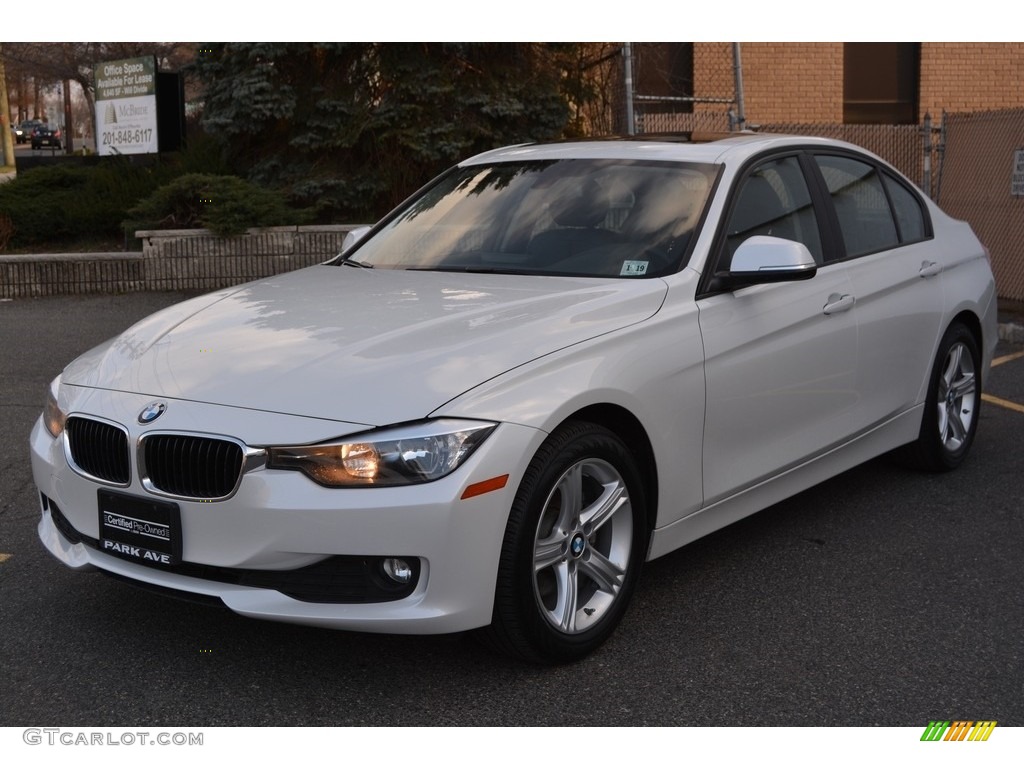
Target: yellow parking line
1007 358
1003 403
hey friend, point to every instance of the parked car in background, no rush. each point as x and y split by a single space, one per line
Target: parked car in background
553 363
23 130
45 136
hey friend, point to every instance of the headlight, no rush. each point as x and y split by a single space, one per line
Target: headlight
53 416
416 453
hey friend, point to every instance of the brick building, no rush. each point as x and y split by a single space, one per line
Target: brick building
882 83
875 95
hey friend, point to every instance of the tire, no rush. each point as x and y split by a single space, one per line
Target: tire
952 406
574 545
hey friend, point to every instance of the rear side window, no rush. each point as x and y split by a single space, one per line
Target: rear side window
907 206
862 208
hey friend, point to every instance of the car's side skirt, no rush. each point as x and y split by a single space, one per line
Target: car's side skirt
899 430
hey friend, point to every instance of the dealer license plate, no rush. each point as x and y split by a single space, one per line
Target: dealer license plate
140 529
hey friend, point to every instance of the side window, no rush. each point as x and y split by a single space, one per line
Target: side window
774 200
907 206
865 219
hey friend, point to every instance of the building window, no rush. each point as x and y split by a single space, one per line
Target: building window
665 71
881 82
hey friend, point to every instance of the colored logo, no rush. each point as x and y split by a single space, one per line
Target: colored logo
152 412
577 545
958 730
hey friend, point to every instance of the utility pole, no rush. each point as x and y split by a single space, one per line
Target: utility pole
627 55
5 115
741 109
69 130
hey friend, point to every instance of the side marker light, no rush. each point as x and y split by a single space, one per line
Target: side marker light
485 486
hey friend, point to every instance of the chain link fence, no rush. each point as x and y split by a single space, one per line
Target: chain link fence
662 88
975 184
901 145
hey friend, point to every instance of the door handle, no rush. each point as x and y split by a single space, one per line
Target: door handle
838 303
929 269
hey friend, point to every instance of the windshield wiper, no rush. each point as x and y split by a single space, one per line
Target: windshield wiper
475 270
359 264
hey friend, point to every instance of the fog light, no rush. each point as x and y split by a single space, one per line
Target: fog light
396 569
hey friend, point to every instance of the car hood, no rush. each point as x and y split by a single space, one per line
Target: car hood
362 346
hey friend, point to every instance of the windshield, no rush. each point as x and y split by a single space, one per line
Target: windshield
595 218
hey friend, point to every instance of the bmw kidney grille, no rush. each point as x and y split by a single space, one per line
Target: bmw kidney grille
191 466
99 449
186 466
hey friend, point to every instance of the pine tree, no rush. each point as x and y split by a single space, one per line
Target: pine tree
354 128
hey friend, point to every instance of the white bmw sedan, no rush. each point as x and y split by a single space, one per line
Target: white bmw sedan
552 364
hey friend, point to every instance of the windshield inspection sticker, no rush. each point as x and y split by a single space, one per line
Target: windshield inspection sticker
633 268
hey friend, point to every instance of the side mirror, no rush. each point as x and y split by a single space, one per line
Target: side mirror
352 237
763 259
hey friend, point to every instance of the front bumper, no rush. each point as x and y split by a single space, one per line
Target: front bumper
280 522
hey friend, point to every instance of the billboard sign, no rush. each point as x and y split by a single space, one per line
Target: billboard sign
126 106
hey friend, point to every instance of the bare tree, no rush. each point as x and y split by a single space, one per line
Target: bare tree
594 77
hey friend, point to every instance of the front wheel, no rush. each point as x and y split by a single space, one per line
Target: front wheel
952 405
573 548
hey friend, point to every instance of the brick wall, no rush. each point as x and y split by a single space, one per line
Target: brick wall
971 77
713 75
803 82
782 82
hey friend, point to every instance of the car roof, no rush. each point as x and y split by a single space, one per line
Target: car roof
714 148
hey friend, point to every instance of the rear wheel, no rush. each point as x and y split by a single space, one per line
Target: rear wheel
952 405
573 548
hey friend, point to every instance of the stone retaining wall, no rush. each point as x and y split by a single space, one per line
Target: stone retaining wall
173 260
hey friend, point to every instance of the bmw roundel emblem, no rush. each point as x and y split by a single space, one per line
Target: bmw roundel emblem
152 412
577 545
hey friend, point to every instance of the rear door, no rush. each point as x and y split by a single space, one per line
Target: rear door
886 246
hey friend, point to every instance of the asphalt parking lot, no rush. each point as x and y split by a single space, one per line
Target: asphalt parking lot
882 597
